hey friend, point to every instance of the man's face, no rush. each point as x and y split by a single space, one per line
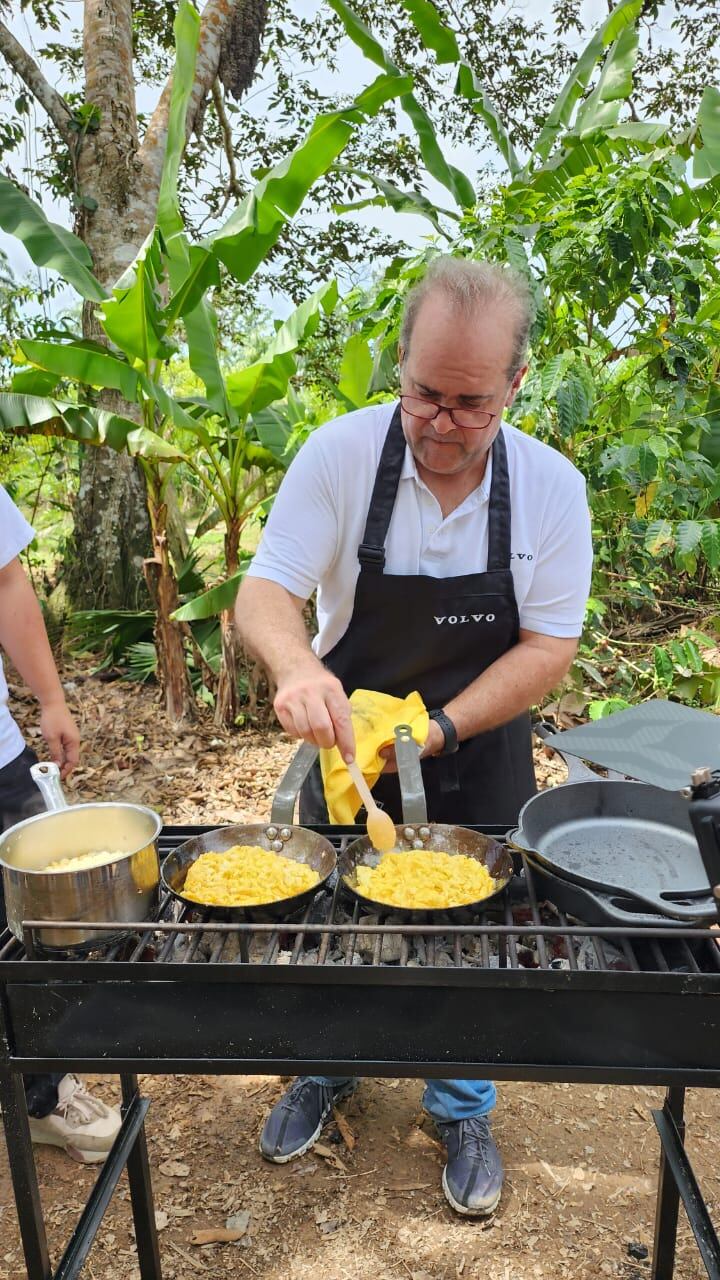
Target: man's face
460 363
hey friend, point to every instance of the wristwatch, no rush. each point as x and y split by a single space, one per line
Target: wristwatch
449 732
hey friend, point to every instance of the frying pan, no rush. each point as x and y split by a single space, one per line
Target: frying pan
615 836
279 835
594 907
417 833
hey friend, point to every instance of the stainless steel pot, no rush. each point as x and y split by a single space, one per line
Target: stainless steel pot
123 890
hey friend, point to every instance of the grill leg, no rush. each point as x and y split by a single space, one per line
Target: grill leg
24 1175
668 1196
141 1196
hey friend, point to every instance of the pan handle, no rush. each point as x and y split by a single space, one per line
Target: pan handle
47 779
283 805
412 788
577 771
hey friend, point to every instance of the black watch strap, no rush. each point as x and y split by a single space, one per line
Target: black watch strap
449 731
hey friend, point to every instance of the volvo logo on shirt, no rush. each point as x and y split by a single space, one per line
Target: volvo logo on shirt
454 619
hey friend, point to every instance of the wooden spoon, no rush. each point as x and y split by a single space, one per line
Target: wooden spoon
380 826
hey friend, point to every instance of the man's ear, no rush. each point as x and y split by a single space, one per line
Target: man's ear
515 385
401 355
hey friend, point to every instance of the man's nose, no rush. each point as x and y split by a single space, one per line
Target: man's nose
443 423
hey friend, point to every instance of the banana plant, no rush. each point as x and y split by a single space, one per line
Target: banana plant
161 300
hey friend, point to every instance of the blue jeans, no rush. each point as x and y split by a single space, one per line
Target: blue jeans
443 1099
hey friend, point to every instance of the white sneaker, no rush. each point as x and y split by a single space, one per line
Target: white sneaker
85 1126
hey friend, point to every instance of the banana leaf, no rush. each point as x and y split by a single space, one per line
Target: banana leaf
200 272
601 109
186 29
706 160
192 269
83 363
468 86
144 443
34 382
558 119
356 370
252 230
133 317
48 244
41 415
448 175
212 602
435 35
257 386
443 42
276 426
392 197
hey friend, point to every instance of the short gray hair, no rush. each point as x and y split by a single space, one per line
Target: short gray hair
470 286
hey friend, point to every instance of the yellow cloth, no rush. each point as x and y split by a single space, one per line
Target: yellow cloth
374 717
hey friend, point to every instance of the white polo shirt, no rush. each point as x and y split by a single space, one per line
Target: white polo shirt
15 534
318 519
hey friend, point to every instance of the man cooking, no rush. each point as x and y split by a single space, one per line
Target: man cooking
451 554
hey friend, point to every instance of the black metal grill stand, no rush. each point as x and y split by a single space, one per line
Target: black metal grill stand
647 1012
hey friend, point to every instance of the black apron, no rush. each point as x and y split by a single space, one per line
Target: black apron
436 635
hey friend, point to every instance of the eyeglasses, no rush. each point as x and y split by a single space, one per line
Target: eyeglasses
428 410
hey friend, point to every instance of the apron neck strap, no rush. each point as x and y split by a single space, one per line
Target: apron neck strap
499 508
371 552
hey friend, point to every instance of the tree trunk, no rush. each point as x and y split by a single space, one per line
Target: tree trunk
111 536
160 578
112 526
226 702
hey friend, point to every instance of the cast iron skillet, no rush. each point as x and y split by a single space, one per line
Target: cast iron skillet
617 836
279 835
417 833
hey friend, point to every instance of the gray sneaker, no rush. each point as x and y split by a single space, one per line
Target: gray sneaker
297 1120
473 1176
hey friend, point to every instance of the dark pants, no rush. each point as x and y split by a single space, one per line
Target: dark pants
20 798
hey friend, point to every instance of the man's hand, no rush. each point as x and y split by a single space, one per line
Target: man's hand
310 703
61 734
434 742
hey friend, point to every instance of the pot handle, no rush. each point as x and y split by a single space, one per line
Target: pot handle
577 771
46 777
283 805
412 788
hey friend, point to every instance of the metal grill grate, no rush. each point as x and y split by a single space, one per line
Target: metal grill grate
521 931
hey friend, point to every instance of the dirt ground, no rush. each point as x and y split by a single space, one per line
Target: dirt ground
581 1161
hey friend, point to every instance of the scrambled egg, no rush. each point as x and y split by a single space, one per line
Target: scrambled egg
246 876
423 878
83 861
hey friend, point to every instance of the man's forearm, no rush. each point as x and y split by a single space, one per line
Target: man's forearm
270 622
310 702
520 679
23 636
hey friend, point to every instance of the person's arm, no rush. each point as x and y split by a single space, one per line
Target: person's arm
24 639
310 702
519 679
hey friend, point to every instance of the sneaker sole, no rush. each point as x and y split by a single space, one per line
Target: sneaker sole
294 1155
75 1153
463 1208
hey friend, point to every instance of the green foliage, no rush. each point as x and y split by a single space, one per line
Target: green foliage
48 244
620 247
